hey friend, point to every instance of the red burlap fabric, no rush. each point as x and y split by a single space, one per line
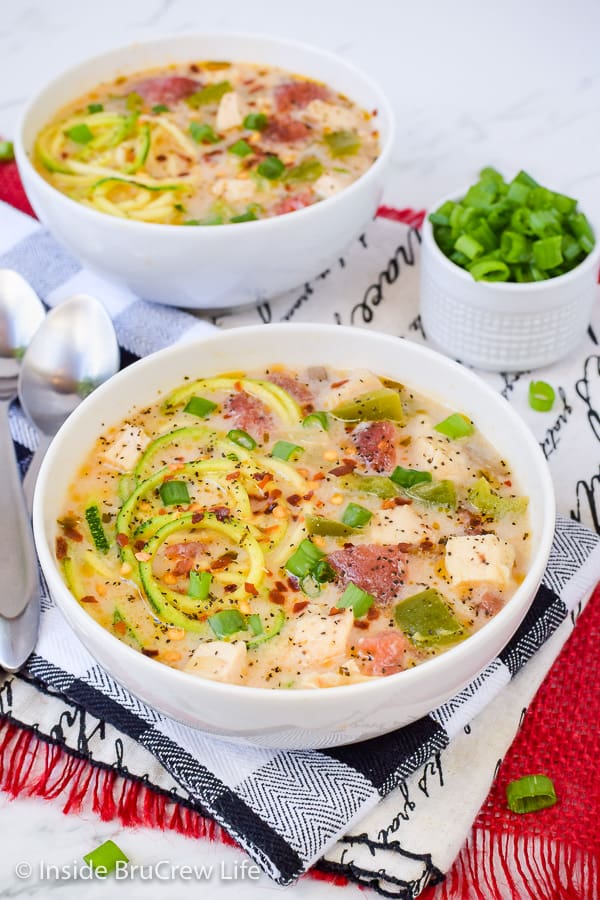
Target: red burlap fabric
550 855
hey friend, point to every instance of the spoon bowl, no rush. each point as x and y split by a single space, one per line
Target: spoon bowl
73 352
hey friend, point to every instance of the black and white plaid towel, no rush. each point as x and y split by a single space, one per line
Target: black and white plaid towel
286 808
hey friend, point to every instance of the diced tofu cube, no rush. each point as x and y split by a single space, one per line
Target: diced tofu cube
400 525
328 185
361 381
218 660
230 113
441 457
128 445
334 118
477 559
234 190
317 638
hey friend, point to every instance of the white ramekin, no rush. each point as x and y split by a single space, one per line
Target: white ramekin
504 326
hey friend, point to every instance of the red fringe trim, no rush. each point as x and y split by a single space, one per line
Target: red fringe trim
32 767
501 866
407 216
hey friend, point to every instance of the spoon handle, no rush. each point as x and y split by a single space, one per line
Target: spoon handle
18 562
32 473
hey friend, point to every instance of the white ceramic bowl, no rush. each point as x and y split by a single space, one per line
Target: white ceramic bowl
503 326
221 266
302 718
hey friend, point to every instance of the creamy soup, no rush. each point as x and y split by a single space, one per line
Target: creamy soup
207 143
292 529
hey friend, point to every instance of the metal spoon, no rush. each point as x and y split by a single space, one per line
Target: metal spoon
21 313
73 352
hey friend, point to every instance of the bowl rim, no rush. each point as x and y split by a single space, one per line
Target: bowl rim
24 160
298 696
531 287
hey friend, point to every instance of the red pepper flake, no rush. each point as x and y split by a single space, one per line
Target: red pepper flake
139 545
308 496
344 469
426 545
404 547
221 512
89 598
148 651
122 539
334 611
318 476
402 501
270 507
120 627
250 588
72 533
294 499
230 588
508 483
222 561
280 586
275 494
197 517
238 384
388 504
299 606
360 623
292 583
258 476
373 613
337 384
276 597
61 548
232 476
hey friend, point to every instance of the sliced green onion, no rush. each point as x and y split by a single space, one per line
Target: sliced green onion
427 619
203 133
316 418
408 477
489 270
95 108
7 151
468 246
94 521
322 572
248 216
212 93
241 148
242 438
226 622
199 406
304 559
308 170
255 624
357 599
356 516
323 526
256 122
530 793
174 493
524 178
106 857
199 585
342 143
455 426
271 167
514 247
160 108
286 450
81 134
541 396
547 253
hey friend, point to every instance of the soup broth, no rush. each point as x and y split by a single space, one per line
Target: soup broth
293 529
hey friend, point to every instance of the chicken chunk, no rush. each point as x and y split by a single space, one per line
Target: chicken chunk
333 118
328 185
315 639
230 113
477 559
360 381
400 525
218 660
234 190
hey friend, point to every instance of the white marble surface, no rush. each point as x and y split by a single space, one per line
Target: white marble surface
513 84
